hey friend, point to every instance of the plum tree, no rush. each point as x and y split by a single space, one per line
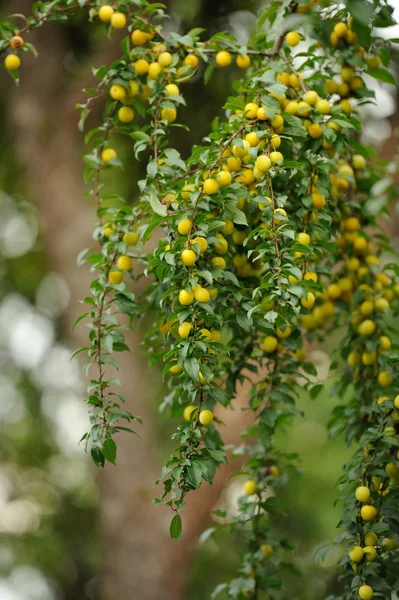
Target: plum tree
267 243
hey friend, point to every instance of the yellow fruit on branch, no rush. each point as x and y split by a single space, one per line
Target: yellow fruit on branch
270 344
188 412
206 417
188 257
186 297
250 487
366 592
368 512
293 38
118 20
223 58
105 13
185 329
362 494
356 554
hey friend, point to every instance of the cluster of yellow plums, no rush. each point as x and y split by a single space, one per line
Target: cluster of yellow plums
368 513
12 62
124 262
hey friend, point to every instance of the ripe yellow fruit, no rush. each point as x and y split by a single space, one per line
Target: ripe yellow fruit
396 402
218 262
154 70
206 335
202 243
275 141
191 61
175 370
221 246
368 512
390 544
131 238
250 487
384 379
311 97
124 263
356 554
309 300
366 328
304 109
165 59
310 276
126 114
278 220
267 551
370 539
118 20
353 359
201 294
223 58
188 411
186 297
323 107
16 42
184 226
115 277
210 186
293 38
172 89
358 161
206 417
12 62
240 151
215 335
381 305
362 493
263 163
105 13
373 63
243 61
392 469
315 131
340 29
370 553
318 201
278 123
188 257
184 329
223 178
108 154
117 92
270 343
283 333
369 358
141 66
252 139
139 38
276 157
365 592
303 238
251 110
261 113
169 114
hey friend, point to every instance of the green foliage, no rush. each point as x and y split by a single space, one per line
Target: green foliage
268 244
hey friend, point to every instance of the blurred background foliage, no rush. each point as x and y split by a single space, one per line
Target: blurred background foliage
50 536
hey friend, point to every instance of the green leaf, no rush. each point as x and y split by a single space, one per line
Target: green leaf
97 456
382 75
175 527
156 205
109 450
